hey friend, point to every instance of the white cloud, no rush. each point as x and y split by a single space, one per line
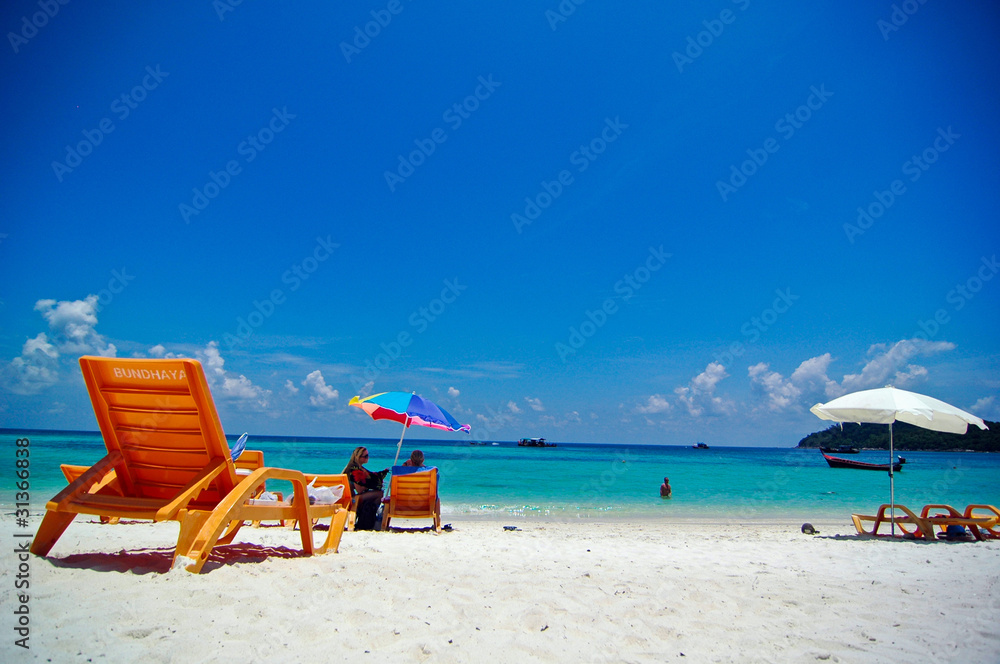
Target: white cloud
71 333
810 383
655 404
699 396
40 344
781 393
811 379
535 403
241 387
227 384
72 324
512 407
322 394
290 386
891 365
159 350
986 408
453 393
36 369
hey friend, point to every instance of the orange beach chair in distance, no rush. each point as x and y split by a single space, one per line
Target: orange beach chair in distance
909 524
319 481
413 496
991 528
171 461
943 516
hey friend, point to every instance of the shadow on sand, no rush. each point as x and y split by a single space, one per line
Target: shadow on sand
157 560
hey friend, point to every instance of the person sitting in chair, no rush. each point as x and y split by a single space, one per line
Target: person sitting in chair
416 459
367 485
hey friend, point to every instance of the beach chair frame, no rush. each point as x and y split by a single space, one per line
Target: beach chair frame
169 458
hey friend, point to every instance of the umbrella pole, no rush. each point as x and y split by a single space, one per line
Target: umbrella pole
892 487
399 445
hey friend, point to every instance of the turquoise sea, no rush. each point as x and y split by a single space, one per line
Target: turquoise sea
589 481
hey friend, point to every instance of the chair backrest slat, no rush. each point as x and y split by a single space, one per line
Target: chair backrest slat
415 493
160 416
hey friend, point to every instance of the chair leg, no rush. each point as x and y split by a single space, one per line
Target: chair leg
54 524
191 543
335 533
352 513
234 528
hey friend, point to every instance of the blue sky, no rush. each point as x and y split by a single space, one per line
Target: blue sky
653 223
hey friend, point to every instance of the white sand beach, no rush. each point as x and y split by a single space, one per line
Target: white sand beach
549 592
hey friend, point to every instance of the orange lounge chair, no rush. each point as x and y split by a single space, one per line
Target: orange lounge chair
169 456
910 525
320 481
248 462
946 515
413 496
990 529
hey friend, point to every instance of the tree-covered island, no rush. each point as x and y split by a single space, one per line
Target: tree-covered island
905 437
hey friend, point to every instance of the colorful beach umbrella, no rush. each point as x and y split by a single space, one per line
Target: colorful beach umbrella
888 404
407 408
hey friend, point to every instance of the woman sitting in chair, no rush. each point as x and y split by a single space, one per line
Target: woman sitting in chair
367 486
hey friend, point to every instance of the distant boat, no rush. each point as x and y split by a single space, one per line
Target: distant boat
700 446
534 442
843 449
834 462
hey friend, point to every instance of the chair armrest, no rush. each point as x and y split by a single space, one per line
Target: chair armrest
96 473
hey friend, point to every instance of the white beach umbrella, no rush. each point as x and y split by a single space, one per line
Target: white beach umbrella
886 405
